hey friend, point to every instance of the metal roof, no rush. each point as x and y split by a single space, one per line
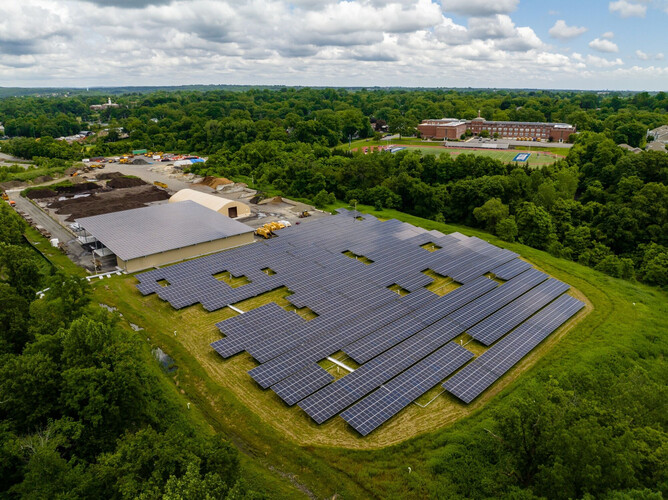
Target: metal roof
159 228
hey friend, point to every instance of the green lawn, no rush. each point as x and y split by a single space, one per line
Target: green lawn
625 318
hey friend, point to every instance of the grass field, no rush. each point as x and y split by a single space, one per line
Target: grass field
328 459
539 156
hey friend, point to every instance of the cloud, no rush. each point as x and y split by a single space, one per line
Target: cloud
659 56
641 55
603 45
625 9
562 31
480 7
608 34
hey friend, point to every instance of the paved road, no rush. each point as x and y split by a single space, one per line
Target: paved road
74 249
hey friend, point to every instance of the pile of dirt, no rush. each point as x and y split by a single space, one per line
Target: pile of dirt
214 182
38 194
70 171
109 175
125 182
12 185
77 188
42 179
139 161
109 201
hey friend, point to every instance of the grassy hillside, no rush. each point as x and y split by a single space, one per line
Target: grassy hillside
624 329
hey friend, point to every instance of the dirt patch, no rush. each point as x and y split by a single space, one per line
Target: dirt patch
12 185
109 201
139 161
42 179
38 194
214 182
125 182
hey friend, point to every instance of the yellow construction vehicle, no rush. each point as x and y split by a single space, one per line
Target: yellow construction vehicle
124 160
274 226
5 196
264 232
160 184
304 214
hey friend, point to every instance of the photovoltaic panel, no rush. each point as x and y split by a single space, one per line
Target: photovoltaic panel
479 309
511 269
334 398
473 379
508 317
301 384
392 397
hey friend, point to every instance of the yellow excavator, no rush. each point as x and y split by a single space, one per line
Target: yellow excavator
5 196
264 232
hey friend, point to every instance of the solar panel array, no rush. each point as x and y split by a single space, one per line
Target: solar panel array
473 379
402 343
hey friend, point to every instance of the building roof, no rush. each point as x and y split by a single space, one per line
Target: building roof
159 228
210 201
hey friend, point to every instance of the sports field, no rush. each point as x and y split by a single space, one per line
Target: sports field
535 158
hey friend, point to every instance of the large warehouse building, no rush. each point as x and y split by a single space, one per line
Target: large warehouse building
163 234
231 208
450 128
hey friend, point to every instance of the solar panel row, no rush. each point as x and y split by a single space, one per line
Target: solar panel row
473 379
392 397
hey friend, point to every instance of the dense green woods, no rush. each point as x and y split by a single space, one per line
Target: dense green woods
602 206
83 411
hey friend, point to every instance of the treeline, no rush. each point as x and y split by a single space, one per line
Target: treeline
204 122
602 206
82 413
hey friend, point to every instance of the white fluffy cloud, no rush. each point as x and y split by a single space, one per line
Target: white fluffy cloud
625 8
295 42
603 45
480 7
641 55
562 31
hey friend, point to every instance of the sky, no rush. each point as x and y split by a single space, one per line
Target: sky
569 44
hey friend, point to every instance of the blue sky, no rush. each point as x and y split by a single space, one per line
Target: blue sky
585 44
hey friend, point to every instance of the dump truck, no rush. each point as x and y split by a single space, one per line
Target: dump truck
160 184
12 203
124 160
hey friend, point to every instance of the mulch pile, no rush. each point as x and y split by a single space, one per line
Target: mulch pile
108 175
125 182
38 194
139 161
214 182
109 201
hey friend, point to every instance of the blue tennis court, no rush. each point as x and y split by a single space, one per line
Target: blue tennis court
521 156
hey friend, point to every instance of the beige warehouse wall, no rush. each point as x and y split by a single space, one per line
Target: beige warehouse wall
179 254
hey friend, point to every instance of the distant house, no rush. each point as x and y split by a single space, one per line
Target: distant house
660 135
108 104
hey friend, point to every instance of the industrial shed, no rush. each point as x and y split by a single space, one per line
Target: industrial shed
231 208
162 234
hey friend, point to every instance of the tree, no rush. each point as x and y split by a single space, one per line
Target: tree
13 320
534 225
491 213
11 226
21 268
506 229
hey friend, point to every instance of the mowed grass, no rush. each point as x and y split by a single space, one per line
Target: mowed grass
621 318
537 158
195 330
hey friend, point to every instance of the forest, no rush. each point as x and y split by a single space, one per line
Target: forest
86 412
601 206
82 411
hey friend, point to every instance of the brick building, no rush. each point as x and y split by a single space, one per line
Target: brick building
450 128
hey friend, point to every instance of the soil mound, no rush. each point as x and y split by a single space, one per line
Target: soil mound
105 202
109 175
214 182
139 161
38 194
125 182
41 179
78 188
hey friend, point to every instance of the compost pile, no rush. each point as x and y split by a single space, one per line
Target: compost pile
125 182
109 201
